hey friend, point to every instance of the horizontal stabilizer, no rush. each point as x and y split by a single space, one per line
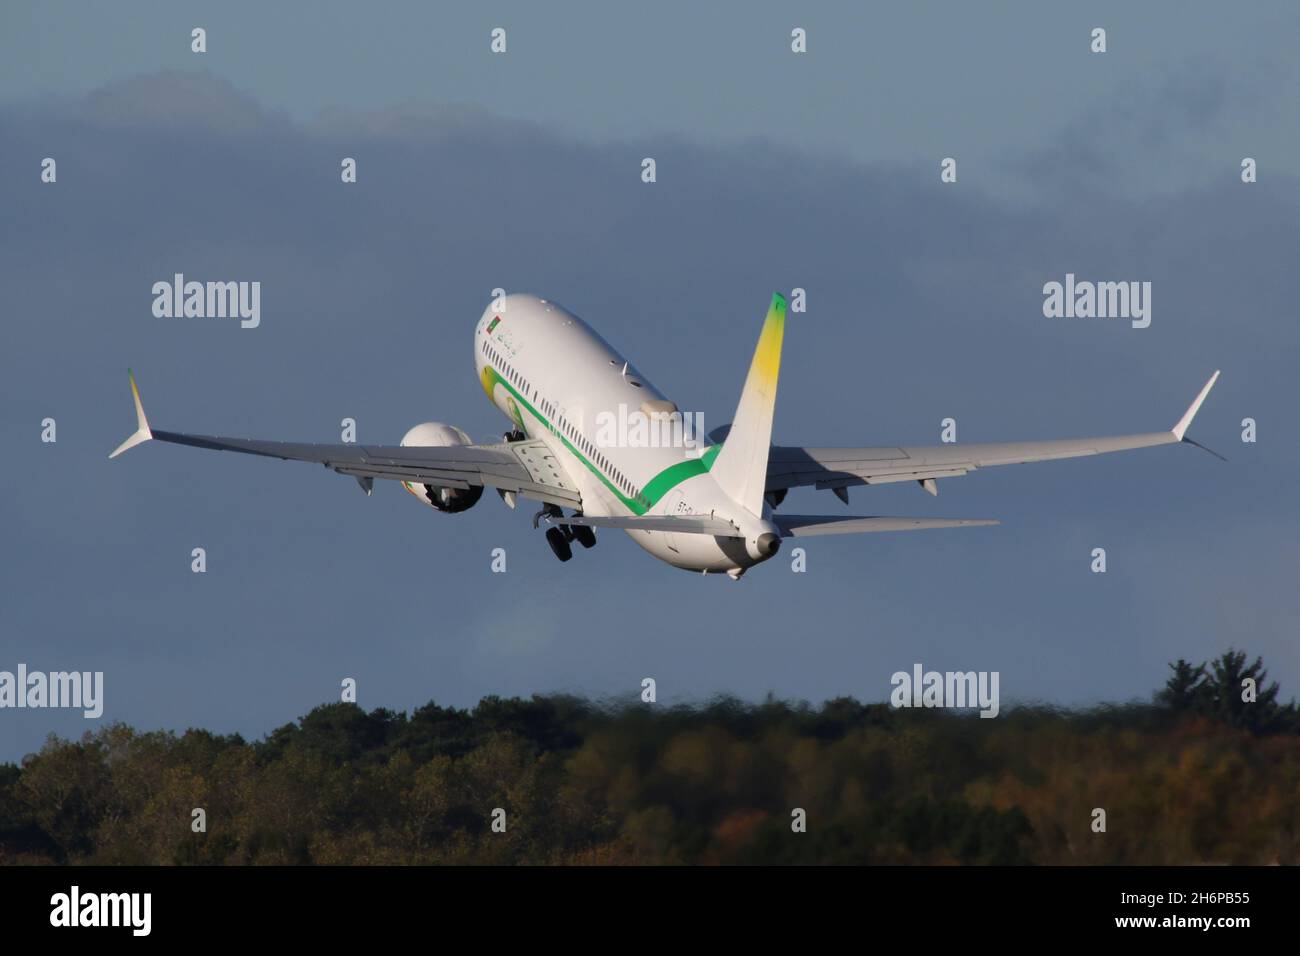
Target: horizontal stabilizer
804 526
678 524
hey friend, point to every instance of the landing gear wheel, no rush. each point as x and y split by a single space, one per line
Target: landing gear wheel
584 535
555 538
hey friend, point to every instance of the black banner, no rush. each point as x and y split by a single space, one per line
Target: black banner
328 904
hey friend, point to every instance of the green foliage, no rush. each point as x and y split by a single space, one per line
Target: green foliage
1199 776
1218 690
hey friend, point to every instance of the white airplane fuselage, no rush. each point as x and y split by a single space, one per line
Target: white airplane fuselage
557 380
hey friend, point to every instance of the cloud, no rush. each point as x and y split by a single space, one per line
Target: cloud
180 101
1152 138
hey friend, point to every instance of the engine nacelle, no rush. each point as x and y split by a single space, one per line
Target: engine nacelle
438 435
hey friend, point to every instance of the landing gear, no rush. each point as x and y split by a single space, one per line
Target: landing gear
513 436
558 536
559 543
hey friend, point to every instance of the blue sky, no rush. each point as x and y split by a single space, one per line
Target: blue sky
522 171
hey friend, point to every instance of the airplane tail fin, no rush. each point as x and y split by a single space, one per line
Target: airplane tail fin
741 466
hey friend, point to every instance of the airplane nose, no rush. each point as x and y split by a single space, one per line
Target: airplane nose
768 544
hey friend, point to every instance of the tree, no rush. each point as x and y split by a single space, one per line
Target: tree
1187 690
1229 704
1218 690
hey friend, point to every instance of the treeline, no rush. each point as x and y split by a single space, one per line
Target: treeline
1200 775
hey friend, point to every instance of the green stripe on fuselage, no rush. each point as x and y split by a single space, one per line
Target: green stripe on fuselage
659 485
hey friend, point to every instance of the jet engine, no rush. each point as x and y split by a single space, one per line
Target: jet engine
438 435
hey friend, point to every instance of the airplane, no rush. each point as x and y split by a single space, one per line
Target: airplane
706 505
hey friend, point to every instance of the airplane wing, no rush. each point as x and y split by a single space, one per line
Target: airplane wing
526 468
838 468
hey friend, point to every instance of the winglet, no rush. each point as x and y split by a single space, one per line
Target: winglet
142 432
1185 422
